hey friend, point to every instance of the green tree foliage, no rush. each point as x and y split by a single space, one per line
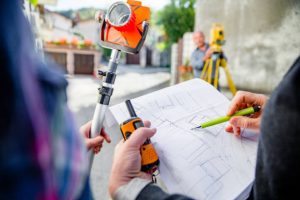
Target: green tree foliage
177 18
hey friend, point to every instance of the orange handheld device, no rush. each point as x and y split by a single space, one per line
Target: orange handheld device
150 159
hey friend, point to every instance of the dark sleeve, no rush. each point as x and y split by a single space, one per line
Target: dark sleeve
278 160
86 193
153 192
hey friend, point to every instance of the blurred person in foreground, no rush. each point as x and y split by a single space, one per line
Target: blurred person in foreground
200 54
278 159
42 154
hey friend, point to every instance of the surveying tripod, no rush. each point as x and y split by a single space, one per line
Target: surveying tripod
212 66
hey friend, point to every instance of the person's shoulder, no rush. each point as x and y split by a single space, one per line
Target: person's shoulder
292 77
288 89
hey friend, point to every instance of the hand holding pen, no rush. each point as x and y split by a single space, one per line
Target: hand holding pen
241 101
245 111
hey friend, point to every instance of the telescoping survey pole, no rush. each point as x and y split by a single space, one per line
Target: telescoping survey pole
105 93
123 29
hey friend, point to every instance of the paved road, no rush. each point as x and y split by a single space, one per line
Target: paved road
82 93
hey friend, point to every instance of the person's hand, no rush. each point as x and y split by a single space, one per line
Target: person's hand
94 143
208 54
127 159
240 101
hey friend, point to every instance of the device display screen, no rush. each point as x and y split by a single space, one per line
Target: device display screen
138 124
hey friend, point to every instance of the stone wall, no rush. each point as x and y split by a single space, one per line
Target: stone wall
188 47
262 38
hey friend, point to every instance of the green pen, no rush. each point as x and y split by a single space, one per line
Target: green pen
246 111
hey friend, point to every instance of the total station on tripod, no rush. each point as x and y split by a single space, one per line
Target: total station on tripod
210 72
217 39
123 28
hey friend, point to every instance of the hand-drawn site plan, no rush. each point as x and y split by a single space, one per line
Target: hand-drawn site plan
202 163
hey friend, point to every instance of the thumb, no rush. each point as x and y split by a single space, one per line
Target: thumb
245 122
139 136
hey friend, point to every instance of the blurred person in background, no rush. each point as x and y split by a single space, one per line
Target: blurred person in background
200 54
277 172
42 154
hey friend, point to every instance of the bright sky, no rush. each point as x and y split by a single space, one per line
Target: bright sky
75 4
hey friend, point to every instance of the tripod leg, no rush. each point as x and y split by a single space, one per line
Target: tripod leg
216 78
209 71
228 76
204 71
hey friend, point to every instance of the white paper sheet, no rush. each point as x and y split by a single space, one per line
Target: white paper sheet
205 163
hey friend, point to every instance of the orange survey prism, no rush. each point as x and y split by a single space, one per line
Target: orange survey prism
149 156
124 27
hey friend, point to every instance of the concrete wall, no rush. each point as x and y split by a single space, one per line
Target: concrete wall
188 47
89 29
262 38
174 63
56 26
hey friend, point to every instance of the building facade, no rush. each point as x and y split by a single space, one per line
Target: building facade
69 44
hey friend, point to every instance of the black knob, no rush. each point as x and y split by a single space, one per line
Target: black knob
101 73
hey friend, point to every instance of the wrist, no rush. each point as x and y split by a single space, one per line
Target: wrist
115 183
130 190
112 188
